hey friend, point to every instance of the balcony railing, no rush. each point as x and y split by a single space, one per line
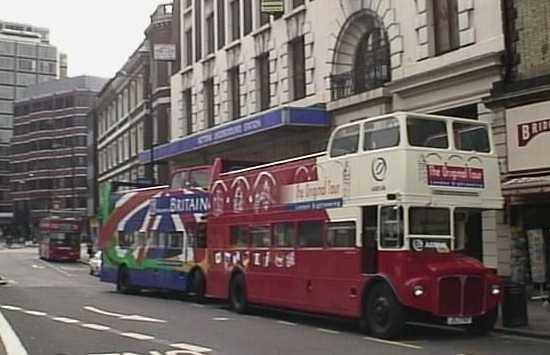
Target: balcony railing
355 82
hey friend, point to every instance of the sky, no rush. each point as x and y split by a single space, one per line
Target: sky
98 36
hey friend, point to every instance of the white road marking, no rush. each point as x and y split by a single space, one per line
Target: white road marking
58 269
11 342
284 322
137 336
197 305
10 308
95 326
36 313
221 318
134 317
396 343
191 347
34 266
328 331
66 320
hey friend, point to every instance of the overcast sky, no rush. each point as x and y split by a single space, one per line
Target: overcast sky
97 35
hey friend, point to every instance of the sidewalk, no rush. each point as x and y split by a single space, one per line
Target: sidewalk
538 322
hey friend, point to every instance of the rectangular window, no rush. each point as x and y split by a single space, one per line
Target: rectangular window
298 67
427 133
310 234
345 141
264 17
7 92
264 83
238 237
341 235
26 50
381 134
209 102
260 236
210 45
221 23
187 111
189 47
283 235
198 30
7 77
7 63
26 65
429 221
296 3
445 25
175 240
7 48
391 227
247 17
234 92
235 20
471 137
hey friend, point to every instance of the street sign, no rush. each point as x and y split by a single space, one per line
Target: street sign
165 52
272 6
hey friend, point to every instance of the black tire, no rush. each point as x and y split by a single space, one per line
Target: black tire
123 281
483 324
198 286
383 316
237 294
91 272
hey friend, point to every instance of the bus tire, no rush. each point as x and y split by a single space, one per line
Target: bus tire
198 286
383 316
237 294
123 281
483 324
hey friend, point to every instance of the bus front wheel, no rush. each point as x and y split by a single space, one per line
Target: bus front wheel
123 281
198 286
237 294
383 316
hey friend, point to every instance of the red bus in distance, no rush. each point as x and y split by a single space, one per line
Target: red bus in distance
59 239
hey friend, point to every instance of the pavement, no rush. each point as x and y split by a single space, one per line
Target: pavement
538 322
57 308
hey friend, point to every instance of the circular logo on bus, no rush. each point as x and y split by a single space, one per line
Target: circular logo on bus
379 169
418 244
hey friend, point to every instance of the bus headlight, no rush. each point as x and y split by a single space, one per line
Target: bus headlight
495 290
418 291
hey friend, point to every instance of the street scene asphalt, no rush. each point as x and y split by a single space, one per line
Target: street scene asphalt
57 308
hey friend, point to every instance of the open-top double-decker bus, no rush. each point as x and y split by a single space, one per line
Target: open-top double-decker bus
59 238
374 228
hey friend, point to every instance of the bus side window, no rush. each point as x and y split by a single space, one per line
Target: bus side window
238 237
391 227
283 235
310 234
260 236
345 141
341 234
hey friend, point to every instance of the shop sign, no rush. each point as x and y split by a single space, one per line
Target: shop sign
528 135
536 255
455 176
272 6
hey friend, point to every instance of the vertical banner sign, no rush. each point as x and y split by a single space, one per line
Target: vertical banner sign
272 6
536 255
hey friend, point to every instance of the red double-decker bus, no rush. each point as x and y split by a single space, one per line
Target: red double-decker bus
375 228
59 239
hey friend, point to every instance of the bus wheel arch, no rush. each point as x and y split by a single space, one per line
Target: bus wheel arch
382 314
237 292
197 284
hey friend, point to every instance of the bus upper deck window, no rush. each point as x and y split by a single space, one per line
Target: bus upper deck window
471 137
381 134
345 141
428 133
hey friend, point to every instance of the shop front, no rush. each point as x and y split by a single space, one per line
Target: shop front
527 190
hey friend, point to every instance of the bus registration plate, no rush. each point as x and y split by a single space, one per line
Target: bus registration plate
459 320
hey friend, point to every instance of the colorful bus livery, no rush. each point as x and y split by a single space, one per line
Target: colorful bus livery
154 239
374 228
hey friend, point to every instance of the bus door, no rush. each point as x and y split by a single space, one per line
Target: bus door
369 238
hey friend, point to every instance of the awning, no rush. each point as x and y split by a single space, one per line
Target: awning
526 186
286 116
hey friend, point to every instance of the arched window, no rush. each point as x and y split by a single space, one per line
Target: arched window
371 68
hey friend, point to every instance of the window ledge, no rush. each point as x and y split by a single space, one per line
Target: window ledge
187 69
261 30
233 44
295 12
208 58
188 10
